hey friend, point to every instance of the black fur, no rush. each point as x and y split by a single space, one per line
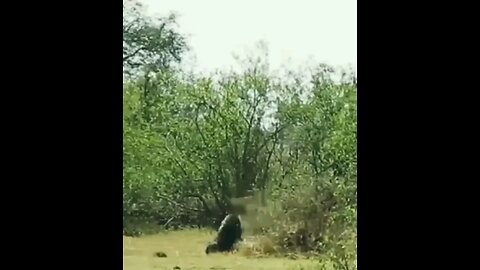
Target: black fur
229 233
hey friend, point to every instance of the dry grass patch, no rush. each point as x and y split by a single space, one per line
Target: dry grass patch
186 249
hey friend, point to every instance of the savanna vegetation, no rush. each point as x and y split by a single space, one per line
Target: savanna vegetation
277 148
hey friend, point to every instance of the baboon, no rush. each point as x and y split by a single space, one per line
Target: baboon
229 233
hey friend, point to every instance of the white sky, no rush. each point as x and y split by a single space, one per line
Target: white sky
297 31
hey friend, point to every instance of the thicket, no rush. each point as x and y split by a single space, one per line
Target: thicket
195 145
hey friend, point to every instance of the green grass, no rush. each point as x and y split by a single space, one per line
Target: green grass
186 249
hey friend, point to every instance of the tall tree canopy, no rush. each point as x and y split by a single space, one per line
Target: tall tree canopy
148 42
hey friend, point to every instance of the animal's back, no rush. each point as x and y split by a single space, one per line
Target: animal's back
229 233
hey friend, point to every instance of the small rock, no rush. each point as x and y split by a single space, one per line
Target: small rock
176 267
160 254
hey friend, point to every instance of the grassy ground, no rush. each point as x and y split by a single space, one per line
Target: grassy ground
186 249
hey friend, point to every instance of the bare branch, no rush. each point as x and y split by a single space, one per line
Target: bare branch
205 103
210 185
125 58
177 162
204 202
168 221
199 130
178 204
270 153
250 125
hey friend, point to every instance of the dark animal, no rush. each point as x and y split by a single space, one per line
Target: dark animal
229 233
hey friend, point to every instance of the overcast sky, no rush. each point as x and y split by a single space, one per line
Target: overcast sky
296 30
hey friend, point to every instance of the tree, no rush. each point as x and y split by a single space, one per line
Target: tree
147 42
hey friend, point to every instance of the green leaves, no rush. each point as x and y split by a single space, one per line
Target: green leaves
191 145
325 122
149 43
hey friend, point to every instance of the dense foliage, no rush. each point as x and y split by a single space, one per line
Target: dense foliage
192 145
148 44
